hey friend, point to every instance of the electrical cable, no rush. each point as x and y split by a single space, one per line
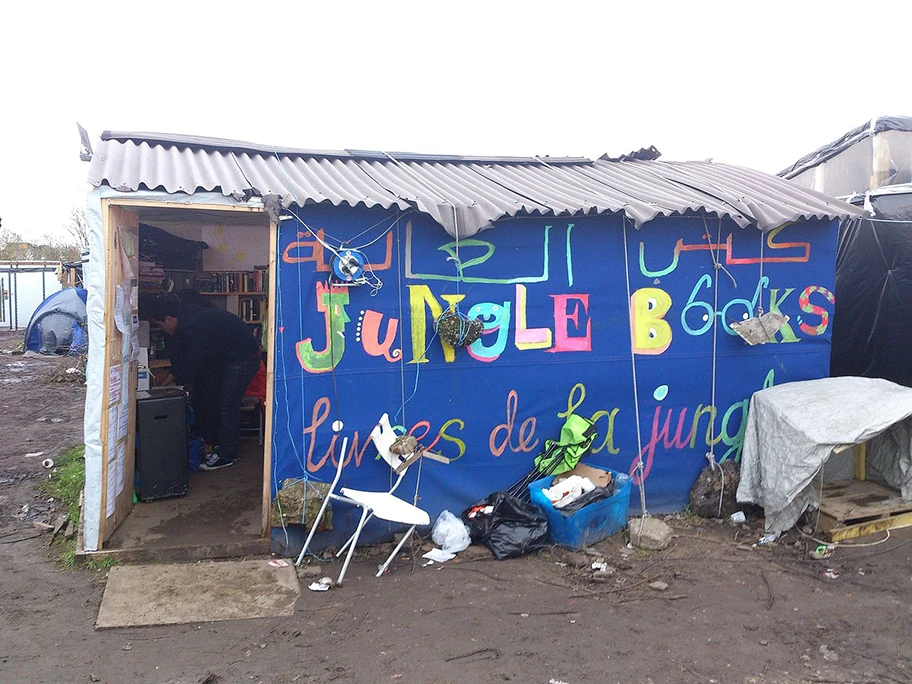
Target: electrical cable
843 544
401 337
376 284
711 454
760 295
817 523
305 477
395 222
418 363
636 398
446 200
291 438
374 280
717 265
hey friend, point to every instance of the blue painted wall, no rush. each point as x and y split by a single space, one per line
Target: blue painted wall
554 294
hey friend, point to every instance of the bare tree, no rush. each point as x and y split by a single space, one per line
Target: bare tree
12 246
78 227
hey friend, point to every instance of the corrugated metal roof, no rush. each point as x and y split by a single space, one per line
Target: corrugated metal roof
468 193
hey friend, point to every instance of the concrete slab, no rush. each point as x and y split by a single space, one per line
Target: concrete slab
141 595
219 517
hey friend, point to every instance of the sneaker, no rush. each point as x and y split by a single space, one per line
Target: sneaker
214 462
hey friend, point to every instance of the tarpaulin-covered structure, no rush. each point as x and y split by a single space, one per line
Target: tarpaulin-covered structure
872 335
870 166
793 429
605 288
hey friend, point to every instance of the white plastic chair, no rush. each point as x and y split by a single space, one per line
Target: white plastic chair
383 505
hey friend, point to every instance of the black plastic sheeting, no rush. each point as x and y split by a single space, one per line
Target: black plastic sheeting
893 207
872 325
169 250
880 124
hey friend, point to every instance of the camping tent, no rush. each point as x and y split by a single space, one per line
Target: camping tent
58 325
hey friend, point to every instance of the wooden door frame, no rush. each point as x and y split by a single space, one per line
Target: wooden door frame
109 295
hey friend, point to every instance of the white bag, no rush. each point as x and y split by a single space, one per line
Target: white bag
450 533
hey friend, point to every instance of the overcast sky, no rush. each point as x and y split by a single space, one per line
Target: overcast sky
754 84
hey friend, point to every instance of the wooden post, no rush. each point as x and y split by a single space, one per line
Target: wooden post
269 329
861 452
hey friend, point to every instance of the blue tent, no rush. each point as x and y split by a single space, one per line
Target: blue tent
58 325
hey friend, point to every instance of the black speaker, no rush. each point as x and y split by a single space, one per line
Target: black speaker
162 465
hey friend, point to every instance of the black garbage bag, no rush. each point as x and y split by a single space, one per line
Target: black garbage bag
596 494
507 525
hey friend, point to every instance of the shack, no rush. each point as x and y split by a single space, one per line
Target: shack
605 288
869 166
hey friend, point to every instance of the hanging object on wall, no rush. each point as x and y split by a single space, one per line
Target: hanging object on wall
457 329
348 267
760 329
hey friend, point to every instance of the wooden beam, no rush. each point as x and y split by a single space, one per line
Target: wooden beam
420 453
109 230
860 461
843 532
181 205
270 376
436 457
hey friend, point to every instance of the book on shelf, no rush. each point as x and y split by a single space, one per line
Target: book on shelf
250 310
151 272
234 282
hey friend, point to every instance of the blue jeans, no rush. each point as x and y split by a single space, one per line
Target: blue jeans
235 380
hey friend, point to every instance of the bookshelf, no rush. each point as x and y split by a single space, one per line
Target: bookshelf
241 292
233 282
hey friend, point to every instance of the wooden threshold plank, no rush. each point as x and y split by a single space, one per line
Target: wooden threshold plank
838 532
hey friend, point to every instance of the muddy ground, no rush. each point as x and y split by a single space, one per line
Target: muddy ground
731 612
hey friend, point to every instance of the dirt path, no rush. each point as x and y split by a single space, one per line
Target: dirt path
730 612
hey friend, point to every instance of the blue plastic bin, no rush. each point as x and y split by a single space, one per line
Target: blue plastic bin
591 523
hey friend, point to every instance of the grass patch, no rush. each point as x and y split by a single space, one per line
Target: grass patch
69 370
65 484
66 480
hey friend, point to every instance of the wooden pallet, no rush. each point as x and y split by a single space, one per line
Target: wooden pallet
854 508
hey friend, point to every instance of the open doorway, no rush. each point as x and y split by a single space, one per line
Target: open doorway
211 258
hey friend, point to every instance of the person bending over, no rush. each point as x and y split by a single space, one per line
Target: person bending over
214 351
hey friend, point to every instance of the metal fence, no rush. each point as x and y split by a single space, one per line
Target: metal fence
23 286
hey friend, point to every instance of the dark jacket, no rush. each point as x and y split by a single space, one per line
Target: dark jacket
208 340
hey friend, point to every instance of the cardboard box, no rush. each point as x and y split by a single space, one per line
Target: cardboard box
597 476
142 380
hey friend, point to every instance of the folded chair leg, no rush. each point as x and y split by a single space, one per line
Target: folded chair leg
346 544
401 543
354 543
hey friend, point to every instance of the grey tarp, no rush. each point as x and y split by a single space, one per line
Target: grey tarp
793 428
